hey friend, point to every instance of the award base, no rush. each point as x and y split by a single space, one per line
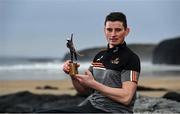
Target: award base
73 69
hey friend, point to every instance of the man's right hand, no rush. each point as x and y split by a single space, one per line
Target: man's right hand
81 89
66 67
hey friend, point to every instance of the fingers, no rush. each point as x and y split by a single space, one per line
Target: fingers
78 76
78 65
87 72
66 67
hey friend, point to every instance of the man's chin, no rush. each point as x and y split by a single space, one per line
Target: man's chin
114 44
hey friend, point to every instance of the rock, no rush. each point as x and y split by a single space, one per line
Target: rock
167 52
142 88
28 102
172 96
146 104
47 87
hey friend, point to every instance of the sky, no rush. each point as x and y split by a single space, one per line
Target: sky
39 28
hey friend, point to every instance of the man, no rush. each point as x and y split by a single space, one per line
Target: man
114 72
112 77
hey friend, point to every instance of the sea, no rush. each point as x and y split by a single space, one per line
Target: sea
51 69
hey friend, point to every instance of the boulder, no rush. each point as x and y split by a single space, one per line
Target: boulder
172 96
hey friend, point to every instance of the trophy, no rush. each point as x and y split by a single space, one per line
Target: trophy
73 53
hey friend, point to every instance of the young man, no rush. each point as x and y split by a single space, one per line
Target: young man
113 74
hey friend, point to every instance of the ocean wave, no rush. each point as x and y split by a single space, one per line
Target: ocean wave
145 66
39 66
53 71
34 66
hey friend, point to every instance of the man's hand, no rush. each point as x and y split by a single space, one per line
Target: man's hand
81 89
87 79
66 66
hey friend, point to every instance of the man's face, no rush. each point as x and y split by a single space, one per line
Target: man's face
115 33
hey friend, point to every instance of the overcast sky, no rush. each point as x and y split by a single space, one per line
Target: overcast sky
39 28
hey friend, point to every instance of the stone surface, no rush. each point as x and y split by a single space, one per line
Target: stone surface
155 105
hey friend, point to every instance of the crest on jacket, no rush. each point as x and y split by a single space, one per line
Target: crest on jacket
115 61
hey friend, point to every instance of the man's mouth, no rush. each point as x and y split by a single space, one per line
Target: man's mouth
113 39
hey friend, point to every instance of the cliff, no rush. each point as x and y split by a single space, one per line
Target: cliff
167 52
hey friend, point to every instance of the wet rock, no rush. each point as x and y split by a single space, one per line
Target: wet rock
172 96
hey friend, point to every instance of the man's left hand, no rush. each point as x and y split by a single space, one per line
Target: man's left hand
87 79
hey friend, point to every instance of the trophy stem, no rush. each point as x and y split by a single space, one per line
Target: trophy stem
73 69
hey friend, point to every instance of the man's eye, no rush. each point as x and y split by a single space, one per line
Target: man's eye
118 29
109 29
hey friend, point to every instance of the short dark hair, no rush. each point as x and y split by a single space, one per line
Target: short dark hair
117 16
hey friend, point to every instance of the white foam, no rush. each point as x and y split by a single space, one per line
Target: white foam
35 66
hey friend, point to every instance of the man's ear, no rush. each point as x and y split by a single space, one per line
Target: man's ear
127 31
104 30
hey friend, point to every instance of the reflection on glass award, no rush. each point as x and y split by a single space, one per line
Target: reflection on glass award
73 53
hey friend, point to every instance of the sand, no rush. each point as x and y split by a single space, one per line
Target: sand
168 82
66 87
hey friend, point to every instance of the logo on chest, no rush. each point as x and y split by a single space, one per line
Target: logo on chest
115 61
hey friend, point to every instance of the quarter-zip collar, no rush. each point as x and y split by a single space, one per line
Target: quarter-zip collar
117 47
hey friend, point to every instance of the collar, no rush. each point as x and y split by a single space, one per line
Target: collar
117 47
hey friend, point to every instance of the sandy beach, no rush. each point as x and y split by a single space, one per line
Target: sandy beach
169 83
66 87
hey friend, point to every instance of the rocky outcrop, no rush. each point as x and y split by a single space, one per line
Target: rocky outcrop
28 102
167 52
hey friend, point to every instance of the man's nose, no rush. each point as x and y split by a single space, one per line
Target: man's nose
113 33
